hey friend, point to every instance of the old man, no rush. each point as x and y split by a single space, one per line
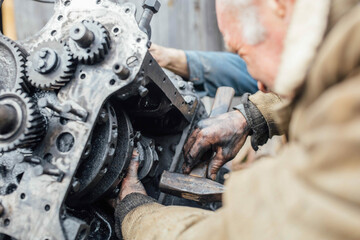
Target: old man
308 53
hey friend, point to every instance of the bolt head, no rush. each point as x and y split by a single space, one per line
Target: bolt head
43 53
182 85
41 64
153 5
75 185
189 99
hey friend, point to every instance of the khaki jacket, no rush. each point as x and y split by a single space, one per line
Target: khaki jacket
311 190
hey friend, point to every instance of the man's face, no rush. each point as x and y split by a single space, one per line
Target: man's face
262 59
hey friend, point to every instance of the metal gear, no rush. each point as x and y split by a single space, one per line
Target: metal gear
12 64
89 42
50 66
26 126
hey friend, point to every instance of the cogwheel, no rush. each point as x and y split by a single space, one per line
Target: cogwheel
21 124
50 66
12 65
89 42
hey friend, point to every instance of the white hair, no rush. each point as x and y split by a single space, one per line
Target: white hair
253 30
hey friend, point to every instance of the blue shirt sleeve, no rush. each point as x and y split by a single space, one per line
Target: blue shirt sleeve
211 70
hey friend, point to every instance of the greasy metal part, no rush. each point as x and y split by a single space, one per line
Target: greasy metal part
150 7
28 126
148 157
13 166
82 35
98 155
50 66
90 122
90 89
12 64
121 71
192 188
89 41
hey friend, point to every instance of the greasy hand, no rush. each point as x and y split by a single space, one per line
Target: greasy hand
223 135
131 183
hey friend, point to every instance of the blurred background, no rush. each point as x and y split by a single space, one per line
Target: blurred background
184 24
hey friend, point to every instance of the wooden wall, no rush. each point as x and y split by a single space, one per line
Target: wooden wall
185 24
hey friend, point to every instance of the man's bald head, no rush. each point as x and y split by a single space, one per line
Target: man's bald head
256 30
246 13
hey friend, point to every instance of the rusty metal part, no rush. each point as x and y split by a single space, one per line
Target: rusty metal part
196 186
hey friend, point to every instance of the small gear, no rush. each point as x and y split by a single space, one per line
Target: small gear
22 126
12 65
50 66
89 42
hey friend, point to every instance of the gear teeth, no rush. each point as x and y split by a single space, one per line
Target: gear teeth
98 50
63 74
19 55
33 123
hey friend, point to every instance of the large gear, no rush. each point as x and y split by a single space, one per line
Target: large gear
27 126
50 66
89 41
12 64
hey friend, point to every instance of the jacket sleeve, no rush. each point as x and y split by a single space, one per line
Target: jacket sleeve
211 70
269 104
261 111
310 192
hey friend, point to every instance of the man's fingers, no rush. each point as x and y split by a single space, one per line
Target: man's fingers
197 151
134 165
191 140
215 164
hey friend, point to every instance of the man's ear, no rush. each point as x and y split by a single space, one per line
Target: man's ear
279 7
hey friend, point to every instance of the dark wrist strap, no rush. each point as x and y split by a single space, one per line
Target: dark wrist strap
259 129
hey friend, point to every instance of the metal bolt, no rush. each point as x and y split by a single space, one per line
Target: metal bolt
160 149
121 71
45 60
82 35
41 64
103 116
143 91
32 159
189 100
75 185
153 5
43 53
182 85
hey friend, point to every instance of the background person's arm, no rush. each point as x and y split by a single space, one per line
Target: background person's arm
207 70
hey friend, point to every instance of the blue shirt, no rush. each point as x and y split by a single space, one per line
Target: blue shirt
211 70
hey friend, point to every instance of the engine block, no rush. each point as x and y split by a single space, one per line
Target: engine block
75 100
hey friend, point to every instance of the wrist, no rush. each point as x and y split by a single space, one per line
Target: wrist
177 62
255 122
242 123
